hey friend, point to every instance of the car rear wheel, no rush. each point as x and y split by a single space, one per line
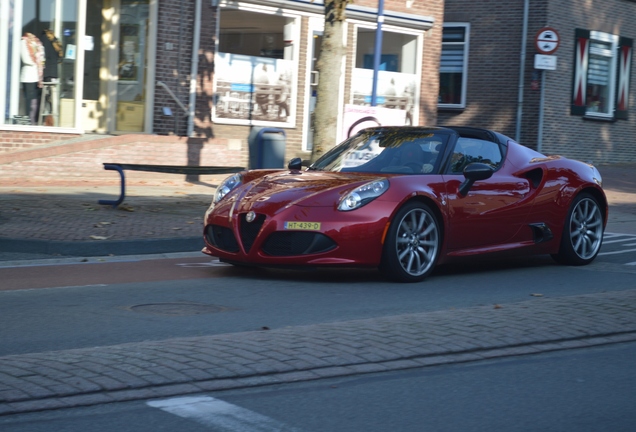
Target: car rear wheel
412 244
583 232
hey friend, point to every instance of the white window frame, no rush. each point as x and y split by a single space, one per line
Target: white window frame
418 63
466 44
296 32
596 36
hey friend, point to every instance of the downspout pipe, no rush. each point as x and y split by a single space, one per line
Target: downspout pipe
522 68
195 67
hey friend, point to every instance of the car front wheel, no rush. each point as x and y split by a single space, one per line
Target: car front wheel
412 244
583 232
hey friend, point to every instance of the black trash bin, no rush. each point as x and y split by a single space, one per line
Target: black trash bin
267 147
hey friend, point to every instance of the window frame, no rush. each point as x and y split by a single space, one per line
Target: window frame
245 96
466 51
612 40
486 148
618 75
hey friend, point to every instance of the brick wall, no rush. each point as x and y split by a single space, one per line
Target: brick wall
173 67
81 163
175 26
11 141
493 61
575 136
494 66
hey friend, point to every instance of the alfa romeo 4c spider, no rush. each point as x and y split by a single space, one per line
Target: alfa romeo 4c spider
405 199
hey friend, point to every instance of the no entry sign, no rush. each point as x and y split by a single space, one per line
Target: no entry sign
547 40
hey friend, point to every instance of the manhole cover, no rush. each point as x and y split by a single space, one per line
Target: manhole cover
176 309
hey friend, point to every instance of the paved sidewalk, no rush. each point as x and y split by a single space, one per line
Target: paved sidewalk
160 217
53 221
166 216
133 371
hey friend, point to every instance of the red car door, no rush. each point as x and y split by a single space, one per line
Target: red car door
491 213
493 210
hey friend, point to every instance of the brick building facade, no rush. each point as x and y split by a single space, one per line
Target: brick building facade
495 76
171 85
161 72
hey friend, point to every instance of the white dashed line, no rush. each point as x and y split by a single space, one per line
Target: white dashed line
220 415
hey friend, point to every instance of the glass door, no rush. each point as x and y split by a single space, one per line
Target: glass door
132 65
115 66
93 114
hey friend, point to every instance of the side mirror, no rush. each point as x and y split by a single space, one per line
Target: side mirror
296 164
474 172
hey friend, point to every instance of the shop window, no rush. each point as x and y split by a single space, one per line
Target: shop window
397 85
255 68
453 66
602 65
37 50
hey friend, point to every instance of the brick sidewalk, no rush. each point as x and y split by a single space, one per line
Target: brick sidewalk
63 219
68 221
133 371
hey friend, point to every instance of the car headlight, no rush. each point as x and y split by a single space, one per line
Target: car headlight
226 186
362 195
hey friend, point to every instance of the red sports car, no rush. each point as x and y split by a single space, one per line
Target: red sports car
404 199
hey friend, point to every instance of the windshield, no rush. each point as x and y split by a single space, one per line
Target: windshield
387 150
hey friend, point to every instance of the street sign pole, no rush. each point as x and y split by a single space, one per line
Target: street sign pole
378 52
546 42
541 102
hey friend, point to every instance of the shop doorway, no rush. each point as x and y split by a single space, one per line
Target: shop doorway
115 66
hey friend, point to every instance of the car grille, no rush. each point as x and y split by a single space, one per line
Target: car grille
222 238
291 243
249 230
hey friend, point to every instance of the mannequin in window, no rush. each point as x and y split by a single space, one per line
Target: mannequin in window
52 57
261 76
52 54
282 98
31 75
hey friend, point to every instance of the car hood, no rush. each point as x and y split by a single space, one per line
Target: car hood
306 188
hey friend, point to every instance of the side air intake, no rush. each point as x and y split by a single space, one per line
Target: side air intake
541 232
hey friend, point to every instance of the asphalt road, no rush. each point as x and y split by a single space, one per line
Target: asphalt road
81 305
579 390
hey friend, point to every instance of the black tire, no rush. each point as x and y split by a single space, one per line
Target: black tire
412 244
582 232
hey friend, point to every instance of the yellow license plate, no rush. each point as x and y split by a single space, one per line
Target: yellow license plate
308 226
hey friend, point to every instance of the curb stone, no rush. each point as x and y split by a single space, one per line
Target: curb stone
154 369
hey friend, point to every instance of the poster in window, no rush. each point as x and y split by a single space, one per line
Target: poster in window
394 90
128 52
254 90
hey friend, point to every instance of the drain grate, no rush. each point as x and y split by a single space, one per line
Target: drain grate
176 309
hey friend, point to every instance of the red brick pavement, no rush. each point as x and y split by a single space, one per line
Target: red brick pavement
153 369
170 207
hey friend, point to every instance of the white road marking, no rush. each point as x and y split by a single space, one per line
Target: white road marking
54 288
221 415
215 263
618 252
612 235
618 241
97 260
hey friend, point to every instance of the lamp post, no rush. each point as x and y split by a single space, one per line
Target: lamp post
378 52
